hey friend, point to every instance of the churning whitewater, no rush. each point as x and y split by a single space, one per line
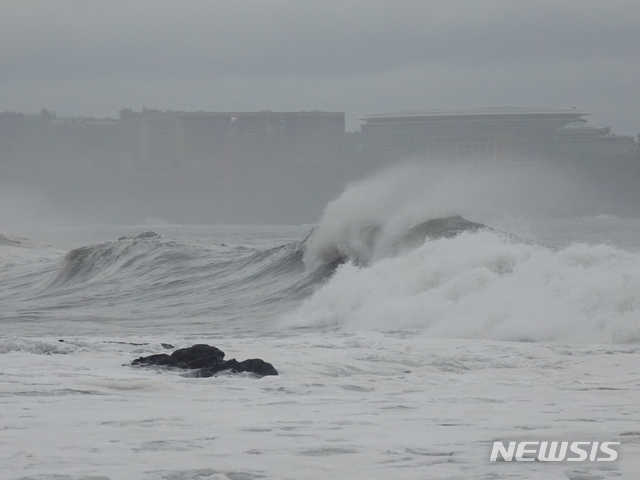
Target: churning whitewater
408 330
450 277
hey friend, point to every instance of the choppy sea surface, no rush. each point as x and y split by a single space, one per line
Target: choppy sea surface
400 356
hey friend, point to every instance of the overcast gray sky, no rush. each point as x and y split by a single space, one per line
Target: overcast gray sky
94 57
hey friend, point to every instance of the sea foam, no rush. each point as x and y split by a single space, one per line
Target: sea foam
480 284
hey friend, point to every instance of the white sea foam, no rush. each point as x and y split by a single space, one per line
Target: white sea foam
477 285
359 405
484 286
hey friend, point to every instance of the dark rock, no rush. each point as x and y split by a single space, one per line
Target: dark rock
207 361
253 365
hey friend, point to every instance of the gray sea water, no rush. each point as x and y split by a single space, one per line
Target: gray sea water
407 341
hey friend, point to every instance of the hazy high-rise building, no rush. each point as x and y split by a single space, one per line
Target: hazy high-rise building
209 139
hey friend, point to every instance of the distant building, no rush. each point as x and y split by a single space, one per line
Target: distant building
88 141
581 142
12 134
204 139
488 133
28 140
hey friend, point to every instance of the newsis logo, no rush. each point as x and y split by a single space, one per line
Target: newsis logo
554 451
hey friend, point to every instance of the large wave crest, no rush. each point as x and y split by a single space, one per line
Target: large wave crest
457 278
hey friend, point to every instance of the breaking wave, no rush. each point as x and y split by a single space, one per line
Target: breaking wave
482 285
449 277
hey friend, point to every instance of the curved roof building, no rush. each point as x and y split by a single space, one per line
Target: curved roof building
476 133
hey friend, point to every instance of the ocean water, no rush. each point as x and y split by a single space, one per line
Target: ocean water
403 353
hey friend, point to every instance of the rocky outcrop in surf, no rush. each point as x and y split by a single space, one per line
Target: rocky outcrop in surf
206 361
